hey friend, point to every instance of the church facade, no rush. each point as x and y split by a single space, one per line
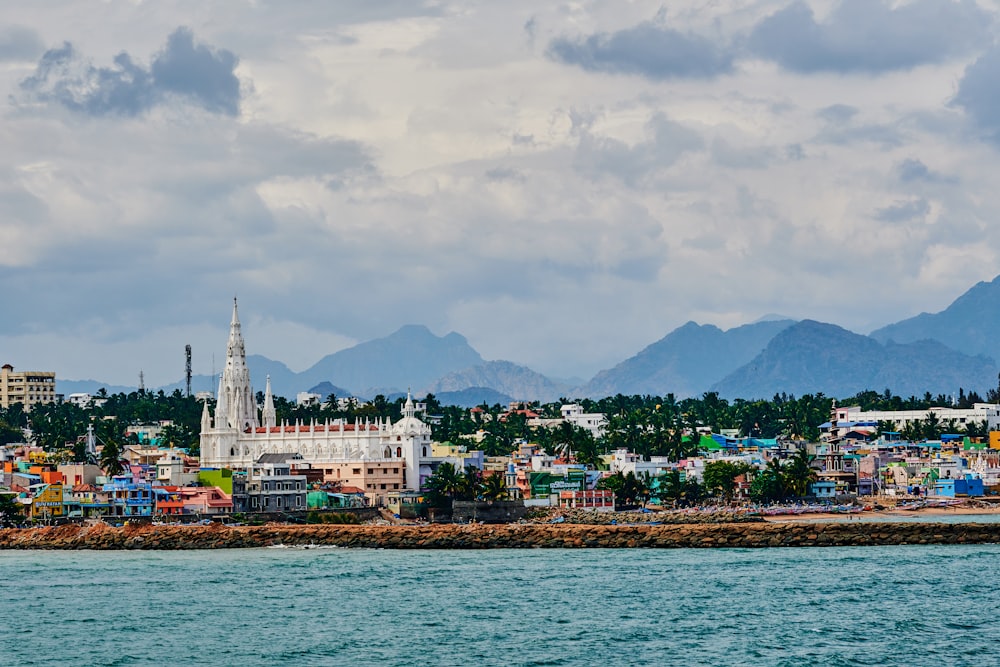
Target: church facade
237 435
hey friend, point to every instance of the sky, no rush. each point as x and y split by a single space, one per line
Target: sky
563 183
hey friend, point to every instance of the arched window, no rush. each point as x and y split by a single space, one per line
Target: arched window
423 451
399 452
388 453
232 452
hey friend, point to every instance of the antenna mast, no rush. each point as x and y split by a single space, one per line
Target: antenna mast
187 368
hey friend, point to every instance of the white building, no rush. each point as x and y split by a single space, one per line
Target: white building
592 421
237 437
849 416
306 398
625 462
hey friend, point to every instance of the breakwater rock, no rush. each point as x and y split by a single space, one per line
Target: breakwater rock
745 535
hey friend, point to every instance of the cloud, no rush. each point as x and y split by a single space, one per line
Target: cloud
838 113
912 170
904 210
979 93
668 141
649 50
18 43
203 76
870 36
841 128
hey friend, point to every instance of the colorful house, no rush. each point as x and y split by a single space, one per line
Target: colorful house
128 497
47 501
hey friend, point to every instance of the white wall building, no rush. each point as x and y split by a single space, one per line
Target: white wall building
979 412
626 462
592 421
236 438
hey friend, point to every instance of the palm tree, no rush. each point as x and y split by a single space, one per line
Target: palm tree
799 474
493 487
110 459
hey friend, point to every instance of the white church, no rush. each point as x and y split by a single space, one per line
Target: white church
235 438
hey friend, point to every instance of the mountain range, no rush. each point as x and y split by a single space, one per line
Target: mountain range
937 352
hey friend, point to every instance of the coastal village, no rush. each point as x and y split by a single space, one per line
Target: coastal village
249 465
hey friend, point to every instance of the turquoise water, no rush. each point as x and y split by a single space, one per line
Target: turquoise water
908 605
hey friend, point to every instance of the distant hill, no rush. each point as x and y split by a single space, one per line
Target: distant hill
324 389
971 324
473 396
410 357
812 357
685 362
505 378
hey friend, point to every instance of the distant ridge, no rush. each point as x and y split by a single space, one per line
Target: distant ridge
410 357
971 324
813 357
504 377
685 362
473 396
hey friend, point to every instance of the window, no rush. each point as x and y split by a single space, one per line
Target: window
382 487
298 501
371 471
399 452
395 486
356 471
395 471
277 501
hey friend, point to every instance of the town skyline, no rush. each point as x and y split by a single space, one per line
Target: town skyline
560 184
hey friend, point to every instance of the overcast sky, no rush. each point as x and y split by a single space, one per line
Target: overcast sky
561 182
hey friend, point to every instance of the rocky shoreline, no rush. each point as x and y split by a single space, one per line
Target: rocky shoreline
743 535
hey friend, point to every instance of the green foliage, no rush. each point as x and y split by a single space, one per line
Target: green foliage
720 478
333 518
681 491
629 489
10 510
799 474
448 484
110 459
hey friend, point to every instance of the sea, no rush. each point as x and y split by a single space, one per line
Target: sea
900 605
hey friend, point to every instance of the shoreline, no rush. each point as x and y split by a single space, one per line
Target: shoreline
488 536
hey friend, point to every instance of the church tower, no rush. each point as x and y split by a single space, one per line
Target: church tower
236 407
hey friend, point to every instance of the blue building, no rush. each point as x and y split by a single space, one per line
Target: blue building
128 497
962 486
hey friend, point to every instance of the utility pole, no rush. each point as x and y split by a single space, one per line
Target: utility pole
142 383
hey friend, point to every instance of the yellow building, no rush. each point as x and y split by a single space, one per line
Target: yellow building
47 502
27 388
994 439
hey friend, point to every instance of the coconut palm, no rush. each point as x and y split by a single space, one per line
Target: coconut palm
799 474
493 487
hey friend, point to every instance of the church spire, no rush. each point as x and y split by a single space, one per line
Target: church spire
267 415
239 409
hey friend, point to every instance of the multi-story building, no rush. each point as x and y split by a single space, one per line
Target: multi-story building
271 486
26 387
378 477
845 419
